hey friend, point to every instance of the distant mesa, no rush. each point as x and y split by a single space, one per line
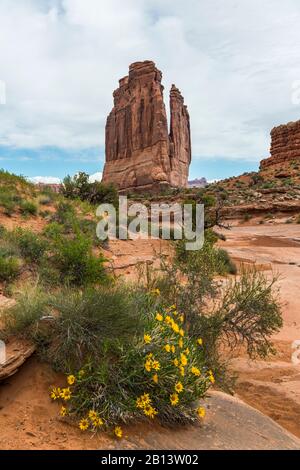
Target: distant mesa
140 154
285 145
198 183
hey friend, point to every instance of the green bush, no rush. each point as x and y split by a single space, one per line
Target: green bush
28 208
9 268
31 305
227 265
76 262
79 186
31 246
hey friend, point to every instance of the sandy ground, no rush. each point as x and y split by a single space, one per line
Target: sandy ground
273 386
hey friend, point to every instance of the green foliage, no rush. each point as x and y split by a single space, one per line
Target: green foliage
28 208
31 246
227 265
9 267
31 303
95 193
76 262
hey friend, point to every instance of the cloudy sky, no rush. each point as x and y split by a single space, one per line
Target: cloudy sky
236 63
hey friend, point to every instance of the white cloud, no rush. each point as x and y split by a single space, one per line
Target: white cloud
45 180
95 177
61 60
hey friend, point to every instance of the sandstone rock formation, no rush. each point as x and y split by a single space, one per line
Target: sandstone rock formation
140 155
285 145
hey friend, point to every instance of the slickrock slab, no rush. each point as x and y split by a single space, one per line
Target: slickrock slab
230 424
17 352
140 154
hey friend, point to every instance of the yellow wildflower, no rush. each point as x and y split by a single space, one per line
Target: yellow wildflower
180 343
183 359
155 378
148 365
211 377
143 400
71 379
200 341
168 319
174 399
83 424
118 432
179 387
175 327
181 332
150 411
63 411
187 351
155 292
93 415
196 371
173 307
201 412
147 339
98 422
167 347
159 317
181 318
173 349
55 393
155 365
175 313
176 362
182 371
66 394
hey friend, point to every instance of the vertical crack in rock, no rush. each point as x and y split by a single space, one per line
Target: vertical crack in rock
139 153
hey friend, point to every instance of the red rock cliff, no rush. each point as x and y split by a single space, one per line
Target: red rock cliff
139 152
285 144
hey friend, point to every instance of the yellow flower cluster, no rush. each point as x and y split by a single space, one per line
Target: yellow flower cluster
92 420
144 402
60 393
151 363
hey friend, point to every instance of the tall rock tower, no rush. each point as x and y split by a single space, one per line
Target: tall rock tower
140 154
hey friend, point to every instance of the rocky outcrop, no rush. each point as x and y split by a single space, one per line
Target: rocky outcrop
285 145
140 155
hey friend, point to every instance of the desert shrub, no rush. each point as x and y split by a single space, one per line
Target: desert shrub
65 214
22 318
251 305
159 373
53 230
45 200
79 186
28 208
7 201
9 267
76 262
227 265
31 246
